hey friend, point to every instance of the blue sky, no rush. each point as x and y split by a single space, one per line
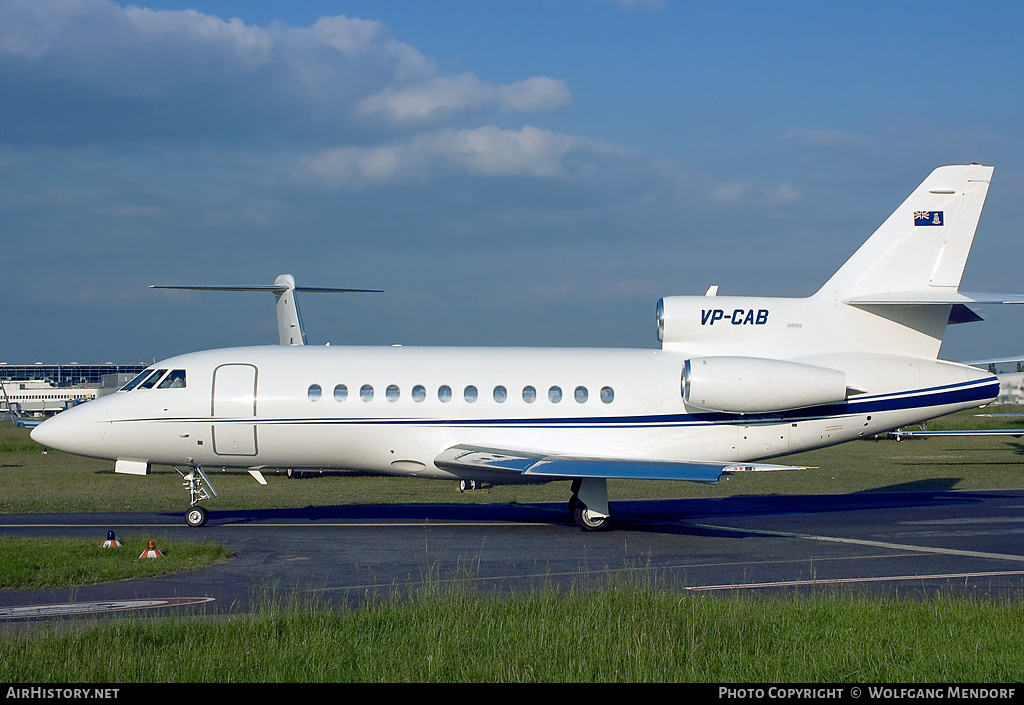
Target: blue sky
536 172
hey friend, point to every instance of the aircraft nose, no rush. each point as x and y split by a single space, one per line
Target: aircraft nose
80 430
47 433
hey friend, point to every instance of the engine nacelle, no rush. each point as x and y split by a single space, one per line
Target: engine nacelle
753 385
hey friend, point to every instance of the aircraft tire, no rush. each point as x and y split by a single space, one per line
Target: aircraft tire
197 516
588 522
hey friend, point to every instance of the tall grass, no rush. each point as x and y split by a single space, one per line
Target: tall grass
620 634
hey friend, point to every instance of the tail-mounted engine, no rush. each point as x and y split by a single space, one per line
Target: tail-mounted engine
751 385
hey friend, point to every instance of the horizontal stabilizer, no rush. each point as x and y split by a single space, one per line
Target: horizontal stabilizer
959 302
934 298
474 458
270 287
289 322
994 361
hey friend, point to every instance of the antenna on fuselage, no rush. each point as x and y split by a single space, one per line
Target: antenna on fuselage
289 322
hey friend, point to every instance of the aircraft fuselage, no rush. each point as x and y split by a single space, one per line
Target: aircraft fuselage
395 409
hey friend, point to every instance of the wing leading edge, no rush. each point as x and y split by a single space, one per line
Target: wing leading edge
463 458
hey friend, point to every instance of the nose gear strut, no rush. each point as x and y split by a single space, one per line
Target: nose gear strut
197 483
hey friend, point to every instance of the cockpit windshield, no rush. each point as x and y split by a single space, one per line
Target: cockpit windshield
135 381
152 379
175 379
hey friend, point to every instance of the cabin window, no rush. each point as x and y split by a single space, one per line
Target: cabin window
314 392
529 394
500 394
419 393
340 392
444 393
580 394
607 395
366 392
152 379
469 394
175 380
392 393
555 395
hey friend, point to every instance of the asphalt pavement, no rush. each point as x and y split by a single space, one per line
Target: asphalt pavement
894 543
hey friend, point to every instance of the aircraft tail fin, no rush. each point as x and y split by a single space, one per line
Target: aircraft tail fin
290 330
908 272
920 251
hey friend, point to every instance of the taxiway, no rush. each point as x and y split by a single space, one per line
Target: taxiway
905 543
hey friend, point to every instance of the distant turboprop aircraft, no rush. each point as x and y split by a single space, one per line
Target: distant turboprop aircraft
737 380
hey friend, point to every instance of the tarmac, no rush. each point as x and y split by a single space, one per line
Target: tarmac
907 543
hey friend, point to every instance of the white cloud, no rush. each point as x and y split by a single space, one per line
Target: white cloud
755 193
485 151
446 97
251 46
137 73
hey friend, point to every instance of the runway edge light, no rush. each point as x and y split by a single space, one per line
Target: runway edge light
151 550
111 541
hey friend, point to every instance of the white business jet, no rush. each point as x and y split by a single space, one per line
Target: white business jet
737 380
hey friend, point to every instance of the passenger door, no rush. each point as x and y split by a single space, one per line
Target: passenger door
234 410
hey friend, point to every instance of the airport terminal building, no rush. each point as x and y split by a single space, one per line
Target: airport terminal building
41 390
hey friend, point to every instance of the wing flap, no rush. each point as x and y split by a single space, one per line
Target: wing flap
463 458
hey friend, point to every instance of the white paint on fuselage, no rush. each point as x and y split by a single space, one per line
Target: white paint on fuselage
647 419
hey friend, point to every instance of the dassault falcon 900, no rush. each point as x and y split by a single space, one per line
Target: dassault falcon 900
737 380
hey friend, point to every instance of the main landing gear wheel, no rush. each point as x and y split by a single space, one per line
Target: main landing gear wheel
197 516
595 491
587 520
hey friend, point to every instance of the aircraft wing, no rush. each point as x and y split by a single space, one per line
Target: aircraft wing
469 458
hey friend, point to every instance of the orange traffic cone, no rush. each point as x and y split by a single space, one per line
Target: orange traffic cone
151 551
111 541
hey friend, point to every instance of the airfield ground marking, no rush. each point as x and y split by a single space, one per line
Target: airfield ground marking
65 609
958 521
629 569
263 525
848 581
865 542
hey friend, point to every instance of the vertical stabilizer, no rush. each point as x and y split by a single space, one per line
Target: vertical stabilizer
289 322
895 295
902 285
922 248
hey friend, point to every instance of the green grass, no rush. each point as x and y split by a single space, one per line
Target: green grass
623 633
37 563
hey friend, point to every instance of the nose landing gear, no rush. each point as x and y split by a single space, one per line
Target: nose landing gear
197 483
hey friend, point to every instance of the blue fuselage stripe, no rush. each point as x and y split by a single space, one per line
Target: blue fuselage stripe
965 393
